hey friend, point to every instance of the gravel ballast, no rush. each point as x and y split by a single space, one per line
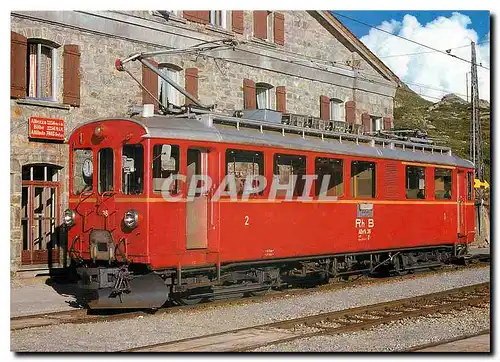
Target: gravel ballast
129 333
394 336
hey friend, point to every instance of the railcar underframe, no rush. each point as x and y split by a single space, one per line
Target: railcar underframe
120 287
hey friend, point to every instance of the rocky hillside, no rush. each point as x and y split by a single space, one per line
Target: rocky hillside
447 121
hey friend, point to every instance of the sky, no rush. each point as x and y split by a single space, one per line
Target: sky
430 74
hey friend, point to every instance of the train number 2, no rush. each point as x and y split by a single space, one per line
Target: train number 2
247 219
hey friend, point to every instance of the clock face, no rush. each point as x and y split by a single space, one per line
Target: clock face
87 168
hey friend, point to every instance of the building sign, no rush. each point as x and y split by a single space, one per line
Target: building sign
46 128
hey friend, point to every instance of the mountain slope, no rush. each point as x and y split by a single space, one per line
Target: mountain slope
446 122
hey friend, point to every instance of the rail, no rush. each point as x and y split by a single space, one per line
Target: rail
349 320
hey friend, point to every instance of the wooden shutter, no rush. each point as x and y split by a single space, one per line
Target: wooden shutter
150 82
350 112
202 17
249 96
260 24
191 83
324 108
237 21
281 99
366 120
71 75
387 123
279 28
18 54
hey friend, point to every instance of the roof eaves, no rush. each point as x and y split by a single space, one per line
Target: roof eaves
358 44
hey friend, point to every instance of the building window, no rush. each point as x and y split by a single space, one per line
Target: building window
263 94
166 92
286 166
415 182
376 123
41 71
243 163
166 165
40 173
333 170
363 179
336 110
270 26
442 184
132 169
218 18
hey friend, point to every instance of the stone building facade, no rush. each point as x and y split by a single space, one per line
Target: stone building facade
304 62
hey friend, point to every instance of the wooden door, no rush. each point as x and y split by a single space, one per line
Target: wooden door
39 223
40 215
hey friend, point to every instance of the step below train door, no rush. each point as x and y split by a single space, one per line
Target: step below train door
198 202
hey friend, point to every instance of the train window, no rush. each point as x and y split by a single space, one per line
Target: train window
132 169
415 182
332 169
242 163
363 179
105 160
194 167
287 165
442 184
166 164
82 171
470 182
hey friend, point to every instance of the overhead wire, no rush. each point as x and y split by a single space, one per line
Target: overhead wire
323 66
407 39
428 52
435 89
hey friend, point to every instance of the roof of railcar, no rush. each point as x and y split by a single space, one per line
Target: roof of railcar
192 129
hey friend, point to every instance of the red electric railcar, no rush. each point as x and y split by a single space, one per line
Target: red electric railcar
139 240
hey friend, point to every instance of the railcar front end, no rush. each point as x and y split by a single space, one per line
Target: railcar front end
107 218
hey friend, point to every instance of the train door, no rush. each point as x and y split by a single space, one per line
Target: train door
197 207
461 196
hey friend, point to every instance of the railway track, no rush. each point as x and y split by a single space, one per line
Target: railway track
82 316
343 321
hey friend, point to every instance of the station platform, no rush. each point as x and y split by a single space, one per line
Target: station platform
476 344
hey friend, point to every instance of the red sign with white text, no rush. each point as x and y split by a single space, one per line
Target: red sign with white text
46 128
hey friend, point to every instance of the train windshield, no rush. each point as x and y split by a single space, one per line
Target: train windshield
132 169
83 170
105 159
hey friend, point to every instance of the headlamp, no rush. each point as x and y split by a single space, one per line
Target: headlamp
68 217
131 219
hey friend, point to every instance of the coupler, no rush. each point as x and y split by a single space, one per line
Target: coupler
117 288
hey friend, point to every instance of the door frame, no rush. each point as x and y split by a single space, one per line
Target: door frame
208 255
461 197
27 255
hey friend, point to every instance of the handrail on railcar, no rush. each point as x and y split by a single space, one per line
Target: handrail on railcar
284 128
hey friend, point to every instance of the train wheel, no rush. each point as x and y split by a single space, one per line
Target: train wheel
189 301
257 293
399 266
